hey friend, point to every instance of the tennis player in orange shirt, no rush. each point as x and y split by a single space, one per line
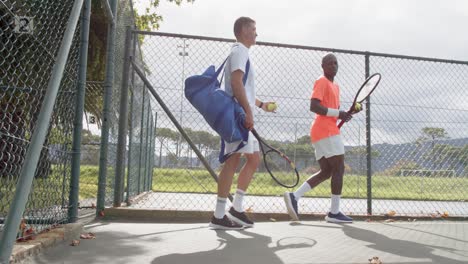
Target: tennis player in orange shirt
327 142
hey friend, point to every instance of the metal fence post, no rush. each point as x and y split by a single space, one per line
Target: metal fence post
123 122
23 187
79 108
141 138
131 183
108 83
152 148
368 143
148 131
130 147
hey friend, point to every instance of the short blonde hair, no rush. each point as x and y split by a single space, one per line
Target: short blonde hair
240 23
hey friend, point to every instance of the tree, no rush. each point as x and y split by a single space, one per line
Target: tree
149 20
88 138
164 134
356 155
362 151
303 140
444 154
431 134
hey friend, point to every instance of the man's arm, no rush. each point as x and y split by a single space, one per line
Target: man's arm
318 108
238 90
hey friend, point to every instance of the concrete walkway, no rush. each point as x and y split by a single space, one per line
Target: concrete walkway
442 242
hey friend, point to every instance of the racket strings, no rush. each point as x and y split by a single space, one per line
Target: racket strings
280 168
368 87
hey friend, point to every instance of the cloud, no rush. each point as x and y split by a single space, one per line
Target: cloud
413 94
430 28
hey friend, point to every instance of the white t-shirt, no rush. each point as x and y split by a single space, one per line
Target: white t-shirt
237 61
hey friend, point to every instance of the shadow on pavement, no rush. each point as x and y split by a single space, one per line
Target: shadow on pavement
254 248
120 245
399 247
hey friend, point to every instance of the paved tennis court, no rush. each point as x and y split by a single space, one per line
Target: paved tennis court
442 242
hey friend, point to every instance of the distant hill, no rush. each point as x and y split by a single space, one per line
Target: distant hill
390 154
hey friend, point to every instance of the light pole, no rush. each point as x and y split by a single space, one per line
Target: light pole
184 54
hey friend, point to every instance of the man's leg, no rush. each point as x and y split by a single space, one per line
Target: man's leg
322 175
236 212
226 175
220 220
247 172
291 199
337 164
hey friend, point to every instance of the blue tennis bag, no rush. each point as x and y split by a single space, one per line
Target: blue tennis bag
222 112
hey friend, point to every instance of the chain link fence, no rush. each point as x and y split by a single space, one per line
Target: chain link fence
125 18
30 36
417 119
90 145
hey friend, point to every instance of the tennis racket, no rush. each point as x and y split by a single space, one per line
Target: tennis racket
280 167
364 91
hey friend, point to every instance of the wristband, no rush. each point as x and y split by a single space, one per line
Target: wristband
333 112
260 105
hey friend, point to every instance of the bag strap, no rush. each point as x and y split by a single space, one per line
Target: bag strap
244 79
247 68
221 68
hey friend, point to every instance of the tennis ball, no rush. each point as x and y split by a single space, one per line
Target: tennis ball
357 107
272 106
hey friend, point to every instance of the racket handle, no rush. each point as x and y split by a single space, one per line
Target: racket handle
254 132
341 123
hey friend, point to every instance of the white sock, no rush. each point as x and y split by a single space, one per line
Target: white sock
335 204
305 187
220 207
238 199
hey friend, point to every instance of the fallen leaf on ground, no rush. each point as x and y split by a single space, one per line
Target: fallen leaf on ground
390 213
88 236
375 260
75 242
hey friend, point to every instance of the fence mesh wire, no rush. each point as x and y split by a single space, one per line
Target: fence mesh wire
30 36
418 123
418 129
141 134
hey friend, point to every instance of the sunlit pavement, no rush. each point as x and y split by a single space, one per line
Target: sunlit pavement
438 241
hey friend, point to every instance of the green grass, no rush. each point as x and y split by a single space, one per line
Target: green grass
48 192
354 186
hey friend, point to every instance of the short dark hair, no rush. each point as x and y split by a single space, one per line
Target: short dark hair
240 23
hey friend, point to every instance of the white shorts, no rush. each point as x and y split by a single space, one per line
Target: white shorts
251 147
329 147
